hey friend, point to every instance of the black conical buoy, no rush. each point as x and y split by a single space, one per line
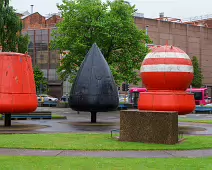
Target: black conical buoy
94 89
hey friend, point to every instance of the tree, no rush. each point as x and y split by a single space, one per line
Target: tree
23 42
40 80
10 30
198 77
110 25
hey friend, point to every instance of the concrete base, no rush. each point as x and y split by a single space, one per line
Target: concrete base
149 127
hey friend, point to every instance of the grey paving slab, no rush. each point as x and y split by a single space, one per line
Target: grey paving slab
118 154
40 152
108 154
26 152
191 154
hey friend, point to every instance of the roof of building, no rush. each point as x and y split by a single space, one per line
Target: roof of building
23 13
198 18
23 17
27 14
48 16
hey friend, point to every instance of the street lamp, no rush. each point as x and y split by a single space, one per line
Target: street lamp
66 86
147 26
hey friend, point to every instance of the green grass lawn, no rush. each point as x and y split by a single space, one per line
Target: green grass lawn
55 116
94 142
81 163
195 121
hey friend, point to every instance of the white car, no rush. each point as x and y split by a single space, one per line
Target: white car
208 100
46 97
123 99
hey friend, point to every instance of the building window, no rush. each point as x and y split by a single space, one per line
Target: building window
54 56
41 56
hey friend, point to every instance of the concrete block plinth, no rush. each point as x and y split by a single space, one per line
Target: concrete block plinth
149 126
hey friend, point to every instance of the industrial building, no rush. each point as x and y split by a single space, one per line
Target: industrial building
192 36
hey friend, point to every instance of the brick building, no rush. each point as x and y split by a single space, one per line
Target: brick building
39 28
38 21
33 21
52 20
195 40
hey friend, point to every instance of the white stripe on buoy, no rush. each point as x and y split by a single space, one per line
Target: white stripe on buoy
166 68
167 55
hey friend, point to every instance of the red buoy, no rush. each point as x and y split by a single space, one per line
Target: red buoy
167 72
17 85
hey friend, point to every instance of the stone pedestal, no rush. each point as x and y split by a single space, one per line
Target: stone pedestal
149 126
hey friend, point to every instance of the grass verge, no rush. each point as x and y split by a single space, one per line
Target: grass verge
55 116
79 163
94 142
195 121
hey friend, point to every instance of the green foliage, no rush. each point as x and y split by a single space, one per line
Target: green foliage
4 3
198 77
23 42
10 29
40 80
110 25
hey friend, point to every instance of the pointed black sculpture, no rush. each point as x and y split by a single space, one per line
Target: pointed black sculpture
94 89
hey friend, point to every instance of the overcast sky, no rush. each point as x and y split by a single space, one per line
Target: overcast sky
151 8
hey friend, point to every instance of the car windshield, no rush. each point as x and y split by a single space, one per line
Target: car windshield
43 95
198 95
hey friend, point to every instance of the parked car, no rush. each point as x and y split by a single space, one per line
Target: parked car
46 97
208 100
64 98
123 99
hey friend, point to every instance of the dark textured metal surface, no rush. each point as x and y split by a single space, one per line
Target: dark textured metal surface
94 89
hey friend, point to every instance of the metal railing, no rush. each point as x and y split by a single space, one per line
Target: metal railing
198 18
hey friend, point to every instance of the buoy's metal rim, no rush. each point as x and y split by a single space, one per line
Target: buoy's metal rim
13 54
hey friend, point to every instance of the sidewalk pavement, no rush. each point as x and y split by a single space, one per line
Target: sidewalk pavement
108 154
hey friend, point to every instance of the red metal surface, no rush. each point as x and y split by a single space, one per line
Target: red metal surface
166 80
167 101
167 48
167 72
17 85
179 61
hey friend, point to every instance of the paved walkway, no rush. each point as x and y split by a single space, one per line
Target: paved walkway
108 154
74 123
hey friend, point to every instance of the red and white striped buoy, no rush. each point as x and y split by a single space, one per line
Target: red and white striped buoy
166 72
167 68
